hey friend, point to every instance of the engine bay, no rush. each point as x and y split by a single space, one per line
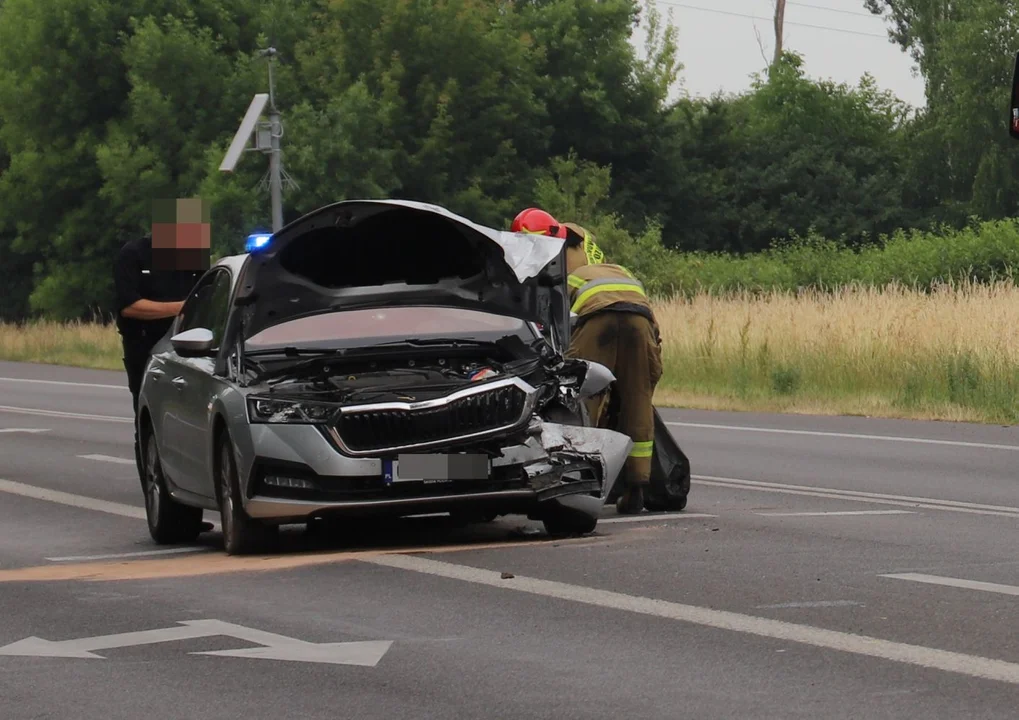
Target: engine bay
424 374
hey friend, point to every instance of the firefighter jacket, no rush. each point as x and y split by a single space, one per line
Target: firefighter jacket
607 287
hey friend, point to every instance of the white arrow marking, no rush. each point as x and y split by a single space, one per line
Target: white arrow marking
366 654
83 647
275 647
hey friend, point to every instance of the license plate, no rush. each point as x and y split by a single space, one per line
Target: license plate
436 468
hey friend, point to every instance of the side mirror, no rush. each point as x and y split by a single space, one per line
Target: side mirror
196 342
1013 119
597 379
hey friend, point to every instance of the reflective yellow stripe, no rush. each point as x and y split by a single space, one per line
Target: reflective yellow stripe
643 449
576 282
597 286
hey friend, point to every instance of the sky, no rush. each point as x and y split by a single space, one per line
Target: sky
719 49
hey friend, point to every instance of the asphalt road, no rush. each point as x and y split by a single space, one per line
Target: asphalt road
824 568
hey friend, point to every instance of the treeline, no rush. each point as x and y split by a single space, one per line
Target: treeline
485 107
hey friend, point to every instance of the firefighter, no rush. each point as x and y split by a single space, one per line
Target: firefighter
617 328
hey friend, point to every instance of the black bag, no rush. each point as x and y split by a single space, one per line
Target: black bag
670 472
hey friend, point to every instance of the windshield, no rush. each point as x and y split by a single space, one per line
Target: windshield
352 328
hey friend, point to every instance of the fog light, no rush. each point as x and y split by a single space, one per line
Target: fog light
288 482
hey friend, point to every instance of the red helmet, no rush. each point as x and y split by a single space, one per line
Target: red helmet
537 222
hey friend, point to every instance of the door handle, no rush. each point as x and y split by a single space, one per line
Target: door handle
179 382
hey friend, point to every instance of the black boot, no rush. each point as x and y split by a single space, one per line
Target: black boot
631 502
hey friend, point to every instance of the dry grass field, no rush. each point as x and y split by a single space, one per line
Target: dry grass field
952 354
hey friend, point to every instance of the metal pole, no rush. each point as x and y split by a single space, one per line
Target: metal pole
275 169
275 181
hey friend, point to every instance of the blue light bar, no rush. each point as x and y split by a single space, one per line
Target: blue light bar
256 241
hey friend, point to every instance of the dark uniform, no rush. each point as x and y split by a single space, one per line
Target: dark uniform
617 328
135 279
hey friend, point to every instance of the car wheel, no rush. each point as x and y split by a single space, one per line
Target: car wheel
242 534
567 521
169 521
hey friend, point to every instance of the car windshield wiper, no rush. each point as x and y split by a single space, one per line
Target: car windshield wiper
441 342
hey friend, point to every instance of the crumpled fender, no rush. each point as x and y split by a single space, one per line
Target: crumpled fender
606 448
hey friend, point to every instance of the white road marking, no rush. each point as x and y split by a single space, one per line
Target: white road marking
916 655
851 436
810 604
108 458
61 414
123 388
653 517
274 647
838 512
857 496
114 556
955 582
78 501
23 430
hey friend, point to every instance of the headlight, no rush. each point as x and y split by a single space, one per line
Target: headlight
274 410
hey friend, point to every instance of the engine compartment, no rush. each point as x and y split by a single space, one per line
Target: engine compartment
427 374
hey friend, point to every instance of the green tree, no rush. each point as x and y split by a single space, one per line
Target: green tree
966 52
438 100
790 156
107 104
604 101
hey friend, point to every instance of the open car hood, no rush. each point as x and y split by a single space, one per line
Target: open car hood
384 253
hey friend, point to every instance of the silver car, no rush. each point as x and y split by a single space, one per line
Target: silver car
374 357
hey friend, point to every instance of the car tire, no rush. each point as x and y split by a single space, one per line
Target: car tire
242 534
567 521
169 521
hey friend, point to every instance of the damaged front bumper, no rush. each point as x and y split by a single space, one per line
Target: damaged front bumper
576 467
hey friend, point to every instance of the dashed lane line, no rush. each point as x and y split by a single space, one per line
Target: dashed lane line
855 496
955 582
835 512
72 500
108 458
122 388
61 414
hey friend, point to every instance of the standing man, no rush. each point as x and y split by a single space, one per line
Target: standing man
617 328
153 275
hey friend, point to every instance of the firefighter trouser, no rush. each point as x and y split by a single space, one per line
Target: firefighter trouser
625 343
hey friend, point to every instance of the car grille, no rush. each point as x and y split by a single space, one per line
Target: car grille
474 413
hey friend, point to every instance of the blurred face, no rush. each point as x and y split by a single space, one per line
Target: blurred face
181 234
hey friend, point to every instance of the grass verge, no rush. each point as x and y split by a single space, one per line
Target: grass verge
948 354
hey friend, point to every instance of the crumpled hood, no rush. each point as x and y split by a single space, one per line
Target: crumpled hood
382 253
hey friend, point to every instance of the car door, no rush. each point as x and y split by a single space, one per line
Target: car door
188 382
200 386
